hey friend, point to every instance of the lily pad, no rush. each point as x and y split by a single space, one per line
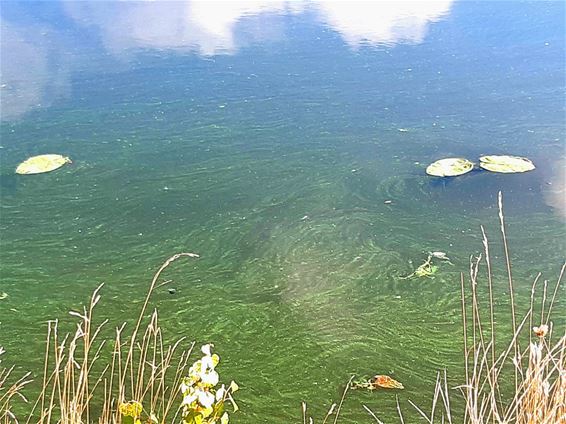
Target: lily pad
42 163
449 167
506 164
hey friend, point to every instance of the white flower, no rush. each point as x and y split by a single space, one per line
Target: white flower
184 387
207 363
206 399
220 393
206 349
195 370
190 398
210 378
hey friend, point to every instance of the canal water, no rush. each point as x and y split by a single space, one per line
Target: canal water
286 144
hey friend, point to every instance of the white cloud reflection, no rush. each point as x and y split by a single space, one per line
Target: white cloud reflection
31 76
209 27
37 66
554 191
382 22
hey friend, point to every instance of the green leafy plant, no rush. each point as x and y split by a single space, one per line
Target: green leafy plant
203 402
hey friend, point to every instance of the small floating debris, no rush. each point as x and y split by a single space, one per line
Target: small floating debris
427 269
403 129
388 202
42 163
506 164
3 295
439 255
172 290
541 331
377 382
449 167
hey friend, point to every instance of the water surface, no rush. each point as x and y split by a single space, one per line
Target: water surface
285 143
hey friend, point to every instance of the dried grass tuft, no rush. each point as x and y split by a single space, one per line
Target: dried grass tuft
86 378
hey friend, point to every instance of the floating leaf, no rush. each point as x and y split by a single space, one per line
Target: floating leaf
426 269
377 382
449 167
506 164
42 163
439 255
386 382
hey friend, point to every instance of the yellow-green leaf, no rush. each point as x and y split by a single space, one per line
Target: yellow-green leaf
233 386
449 167
506 164
42 163
131 409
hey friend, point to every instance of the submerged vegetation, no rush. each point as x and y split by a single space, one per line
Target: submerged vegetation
138 380
427 269
517 377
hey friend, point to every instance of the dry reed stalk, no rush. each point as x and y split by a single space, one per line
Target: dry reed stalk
334 409
372 414
539 395
79 386
539 391
9 390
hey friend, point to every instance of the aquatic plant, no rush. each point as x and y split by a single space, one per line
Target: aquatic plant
377 382
42 163
450 167
504 382
202 402
427 269
521 380
506 164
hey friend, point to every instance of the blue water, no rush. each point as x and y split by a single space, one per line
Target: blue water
285 143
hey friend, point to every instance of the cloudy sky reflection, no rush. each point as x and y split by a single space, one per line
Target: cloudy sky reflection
40 56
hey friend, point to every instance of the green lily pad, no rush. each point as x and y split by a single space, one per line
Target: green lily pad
449 167
506 164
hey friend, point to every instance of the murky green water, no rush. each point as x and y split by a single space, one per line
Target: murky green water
285 144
